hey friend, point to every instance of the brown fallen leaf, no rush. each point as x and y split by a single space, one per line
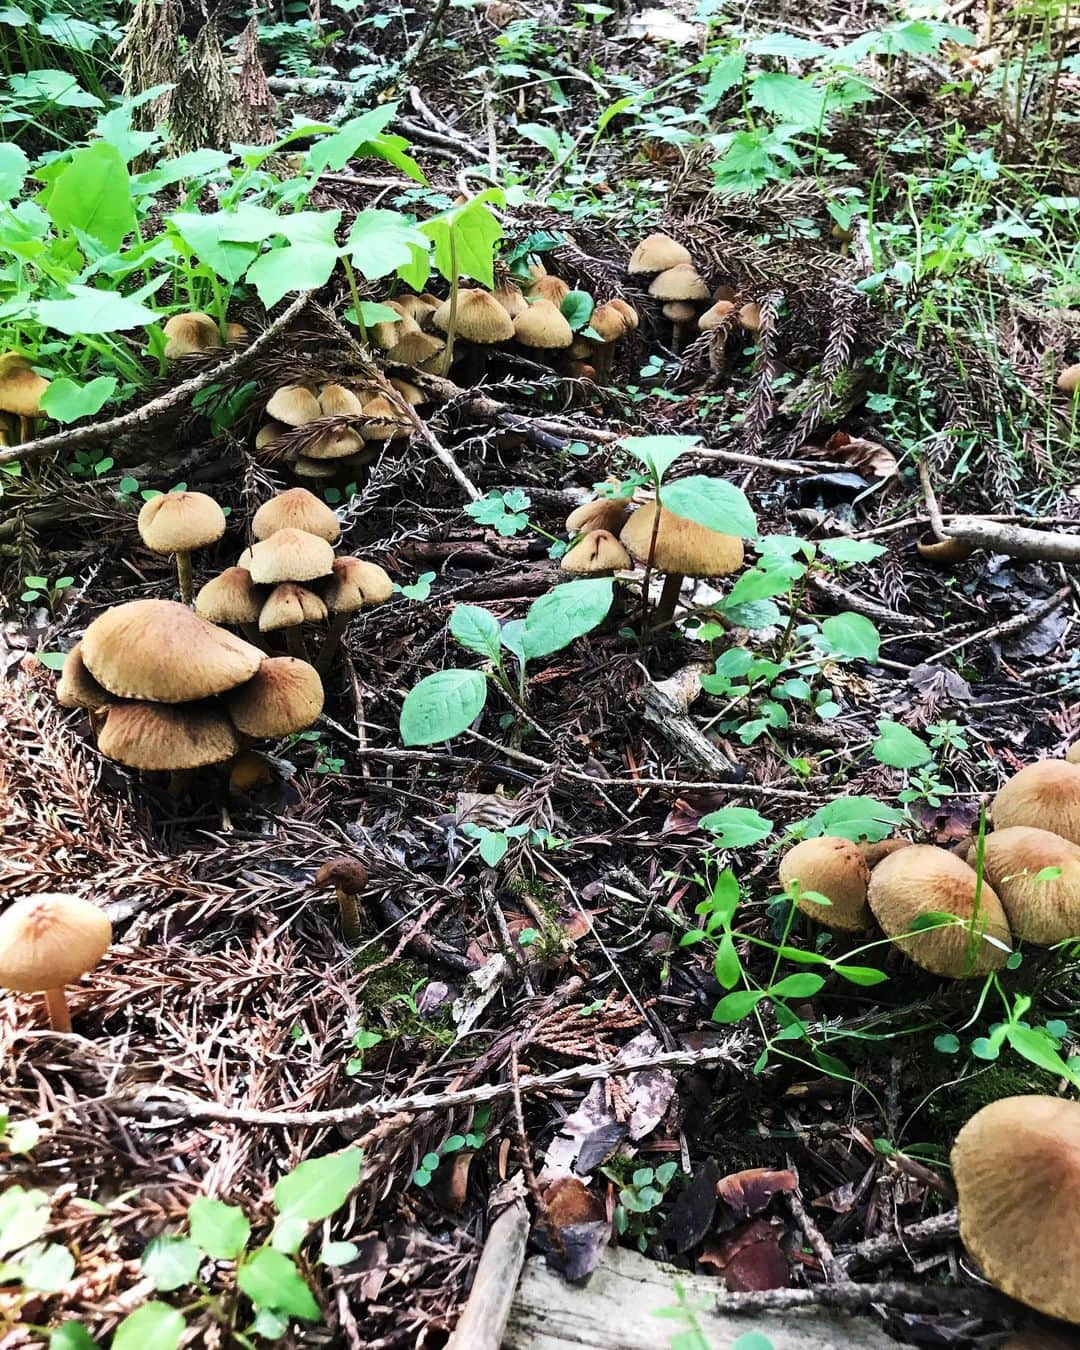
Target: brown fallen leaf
742 1194
568 1201
749 1258
868 457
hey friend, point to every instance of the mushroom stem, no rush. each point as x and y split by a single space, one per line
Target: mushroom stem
97 720
350 916
678 336
338 625
451 327
183 575
57 1008
179 782
251 632
669 598
294 640
602 358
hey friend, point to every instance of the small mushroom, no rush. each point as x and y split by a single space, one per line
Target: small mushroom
679 286
480 318
1016 1166
77 688
341 442
716 316
1072 755
248 771
682 548
657 253
289 606
354 585
232 598
315 469
602 513
163 652
1045 795
48 941
628 312
383 421
942 552
543 326
511 297
21 391
611 324
923 880
1068 382
874 853
178 523
190 333
337 401
348 878
596 553
167 737
419 308
549 288
296 509
835 869
288 555
293 404
750 317
416 349
269 434
285 696
412 394
1041 910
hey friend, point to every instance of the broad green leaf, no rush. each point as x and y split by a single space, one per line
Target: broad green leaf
24 1216
493 846
465 238
714 503
90 311
442 706
543 135
71 1336
756 614
208 238
788 98
658 453
566 613
787 45
898 747
65 31
339 1253
850 550
727 967
1039 1048
736 826
364 136
577 308
295 267
318 1187
221 1230
288 1234
197 164
171 1262
271 1280
854 818
66 401
46 1267
724 76
383 242
477 629
93 194
154 1326
52 86
14 167
797 986
850 637
761 583
734 1007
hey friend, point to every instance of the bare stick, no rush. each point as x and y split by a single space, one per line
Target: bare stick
941 1227
850 1297
997 537
1017 624
483 1323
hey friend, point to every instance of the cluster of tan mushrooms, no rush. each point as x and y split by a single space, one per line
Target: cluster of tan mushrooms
290 577
686 298
1029 888
340 427
608 537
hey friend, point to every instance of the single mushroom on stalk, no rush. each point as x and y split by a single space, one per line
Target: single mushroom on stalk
679 548
596 553
284 696
679 286
293 404
296 509
1068 382
178 523
478 318
348 878
355 584
549 288
1036 875
21 391
289 606
48 941
190 333
383 421
232 598
543 327
836 870
611 324
288 554
602 513
657 253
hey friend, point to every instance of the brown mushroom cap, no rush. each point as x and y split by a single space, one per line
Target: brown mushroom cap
682 545
419 308
296 509
750 317
1068 382
356 584
549 288
76 687
925 880
836 869
190 332
177 522
346 874
413 395
235 332
288 606
339 443
413 349
288 555
679 283
314 468
602 513
543 326
717 314
628 312
20 388
511 297
268 433
1016 1165
480 318
285 696
294 405
1042 912
49 940
678 311
163 651
337 401
1045 795
1072 755
167 736
598 551
382 421
873 853
610 321
657 253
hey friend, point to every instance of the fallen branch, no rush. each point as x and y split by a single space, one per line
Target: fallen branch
665 706
852 1297
871 609
95 433
873 1251
1008 627
147 1106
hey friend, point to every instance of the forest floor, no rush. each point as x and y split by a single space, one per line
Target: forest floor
229 1034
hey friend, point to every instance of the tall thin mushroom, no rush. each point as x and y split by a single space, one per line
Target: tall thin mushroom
348 878
48 941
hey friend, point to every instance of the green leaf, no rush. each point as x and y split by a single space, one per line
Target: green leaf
474 232
863 975
790 99
71 1336
211 239
338 1253
797 986
736 826
898 747
1039 1048
714 503
753 1340
171 1262
850 551
854 818
850 637
493 846
566 613
947 1044
727 967
577 308
723 77
734 1007
271 1280
14 167
52 86
90 311
364 136
442 706
541 134
659 453
318 1187
294 267
270 1325
46 1267
66 401
383 242
221 1230
290 1232
154 1326
787 45
93 194
477 629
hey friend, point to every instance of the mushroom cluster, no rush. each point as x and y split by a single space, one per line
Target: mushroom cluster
1028 887
290 577
607 538
168 691
338 427
686 300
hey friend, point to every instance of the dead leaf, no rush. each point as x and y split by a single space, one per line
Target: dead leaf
576 1227
868 457
687 811
746 1193
749 1258
569 1201
692 1213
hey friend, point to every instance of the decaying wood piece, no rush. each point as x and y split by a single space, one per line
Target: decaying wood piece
617 1310
487 1311
665 705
